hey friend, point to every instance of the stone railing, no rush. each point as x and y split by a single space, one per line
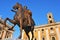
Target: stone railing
12 39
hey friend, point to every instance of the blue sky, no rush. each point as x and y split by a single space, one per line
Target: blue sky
39 9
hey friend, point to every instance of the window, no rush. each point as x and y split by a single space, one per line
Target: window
42 29
35 38
0 32
51 28
0 38
35 30
49 16
7 36
43 38
0 28
53 38
50 21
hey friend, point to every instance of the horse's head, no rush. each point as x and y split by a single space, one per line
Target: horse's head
17 6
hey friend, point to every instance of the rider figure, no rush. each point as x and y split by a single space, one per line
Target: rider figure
28 15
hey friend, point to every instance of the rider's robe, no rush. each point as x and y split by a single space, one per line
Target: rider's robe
28 18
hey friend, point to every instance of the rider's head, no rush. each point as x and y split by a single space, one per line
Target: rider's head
25 7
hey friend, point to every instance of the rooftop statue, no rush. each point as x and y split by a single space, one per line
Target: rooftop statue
23 18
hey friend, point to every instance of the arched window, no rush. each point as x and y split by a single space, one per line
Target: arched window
0 38
0 32
35 38
7 36
50 21
0 28
49 16
42 29
51 28
53 38
43 38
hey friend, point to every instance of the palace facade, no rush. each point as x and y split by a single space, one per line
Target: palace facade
50 31
4 31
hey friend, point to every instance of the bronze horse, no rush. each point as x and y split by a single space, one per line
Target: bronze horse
19 19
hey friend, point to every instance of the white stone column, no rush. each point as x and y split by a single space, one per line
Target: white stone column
11 35
58 34
47 34
22 34
39 35
4 34
30 35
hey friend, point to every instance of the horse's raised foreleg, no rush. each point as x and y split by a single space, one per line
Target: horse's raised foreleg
12 21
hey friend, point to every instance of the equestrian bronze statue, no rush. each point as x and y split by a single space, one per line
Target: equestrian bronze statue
23 18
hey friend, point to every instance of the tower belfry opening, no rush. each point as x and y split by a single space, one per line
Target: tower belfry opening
50 18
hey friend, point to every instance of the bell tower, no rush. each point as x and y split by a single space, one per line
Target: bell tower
50 18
